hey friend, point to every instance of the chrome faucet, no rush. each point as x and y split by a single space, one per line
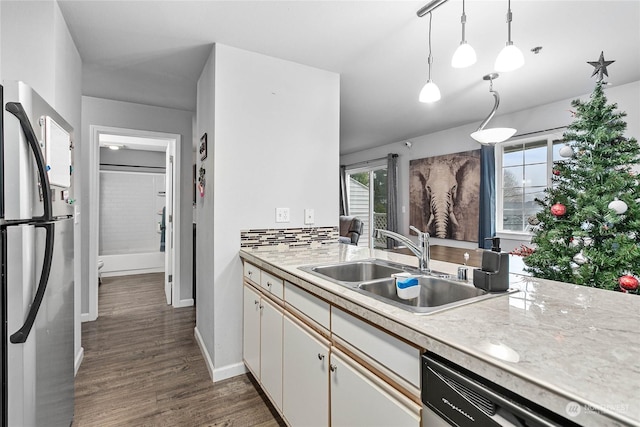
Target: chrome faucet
421 250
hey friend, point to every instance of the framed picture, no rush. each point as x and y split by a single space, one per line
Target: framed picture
203 147
444 194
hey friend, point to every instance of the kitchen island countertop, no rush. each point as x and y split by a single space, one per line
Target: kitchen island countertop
572 349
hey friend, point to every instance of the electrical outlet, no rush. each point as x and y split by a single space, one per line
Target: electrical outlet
309 216
282 215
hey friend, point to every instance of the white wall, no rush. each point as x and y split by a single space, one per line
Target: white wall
36 47
274 144
105 112
205 245
130 212
457 139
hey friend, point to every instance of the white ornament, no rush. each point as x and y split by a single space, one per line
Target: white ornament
618 206
587 241
586 226
575 242
566 151
632 235
579 258
574 266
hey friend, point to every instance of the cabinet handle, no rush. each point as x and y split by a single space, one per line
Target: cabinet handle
256 302
320 356
333 367
250 273
261 306
269 284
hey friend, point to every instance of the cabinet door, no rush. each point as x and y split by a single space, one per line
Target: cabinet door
251 331
360 399
271 351
305 386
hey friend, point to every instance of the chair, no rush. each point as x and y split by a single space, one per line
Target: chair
350 229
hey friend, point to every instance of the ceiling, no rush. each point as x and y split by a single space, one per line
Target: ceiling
153 52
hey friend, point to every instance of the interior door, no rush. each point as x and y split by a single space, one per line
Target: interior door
168 231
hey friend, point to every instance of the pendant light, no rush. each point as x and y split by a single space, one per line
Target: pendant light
510 57
492 136
430 91
465 55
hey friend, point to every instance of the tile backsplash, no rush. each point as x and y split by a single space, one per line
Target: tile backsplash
292 237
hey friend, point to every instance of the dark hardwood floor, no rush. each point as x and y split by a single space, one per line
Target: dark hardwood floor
143 367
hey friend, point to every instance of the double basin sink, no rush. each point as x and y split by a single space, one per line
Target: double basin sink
374 278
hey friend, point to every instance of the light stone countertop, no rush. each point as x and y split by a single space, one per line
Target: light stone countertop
557 344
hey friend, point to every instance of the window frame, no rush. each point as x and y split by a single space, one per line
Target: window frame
551 139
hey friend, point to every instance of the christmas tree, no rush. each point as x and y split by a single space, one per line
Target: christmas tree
588 231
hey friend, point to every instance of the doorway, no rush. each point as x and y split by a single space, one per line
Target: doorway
165 195
367 195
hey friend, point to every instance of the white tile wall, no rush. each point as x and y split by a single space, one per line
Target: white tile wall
130 211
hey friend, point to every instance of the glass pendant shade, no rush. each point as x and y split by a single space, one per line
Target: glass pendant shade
493 135
510 58
464 56
430 92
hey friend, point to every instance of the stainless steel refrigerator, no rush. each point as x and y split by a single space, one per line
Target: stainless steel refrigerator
36 249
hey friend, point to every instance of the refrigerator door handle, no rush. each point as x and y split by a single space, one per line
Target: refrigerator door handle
23 333
17 110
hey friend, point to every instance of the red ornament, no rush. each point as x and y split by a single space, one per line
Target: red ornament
628 282
556 172
558 209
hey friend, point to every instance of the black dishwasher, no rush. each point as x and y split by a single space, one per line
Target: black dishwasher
453 395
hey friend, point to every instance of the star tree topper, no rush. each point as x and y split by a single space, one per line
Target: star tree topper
600 67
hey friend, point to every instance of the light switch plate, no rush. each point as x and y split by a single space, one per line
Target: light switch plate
282 215
309 216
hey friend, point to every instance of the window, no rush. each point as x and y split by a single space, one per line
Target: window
367 193
523 172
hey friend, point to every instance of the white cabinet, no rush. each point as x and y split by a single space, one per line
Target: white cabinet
311 307
294 343
358 398
251 330
305 376
272 284
252 272
271 351
262 342
396 355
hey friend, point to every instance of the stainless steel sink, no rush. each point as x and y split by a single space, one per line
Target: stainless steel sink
353 273
435 294
373 278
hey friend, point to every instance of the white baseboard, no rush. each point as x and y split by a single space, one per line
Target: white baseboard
136 263
86 317
203 350
229 371
78 362
184 303
132 272
222 373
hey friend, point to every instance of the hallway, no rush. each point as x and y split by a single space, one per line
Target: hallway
142 366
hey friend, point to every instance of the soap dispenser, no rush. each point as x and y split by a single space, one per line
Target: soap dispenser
493 276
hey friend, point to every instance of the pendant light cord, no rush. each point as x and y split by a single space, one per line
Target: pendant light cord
509 18
430 59
463 20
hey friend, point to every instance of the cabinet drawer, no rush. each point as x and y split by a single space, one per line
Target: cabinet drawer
252 272
308 304
274 285
393 353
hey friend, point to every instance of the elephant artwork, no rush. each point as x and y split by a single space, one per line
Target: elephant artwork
444 193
